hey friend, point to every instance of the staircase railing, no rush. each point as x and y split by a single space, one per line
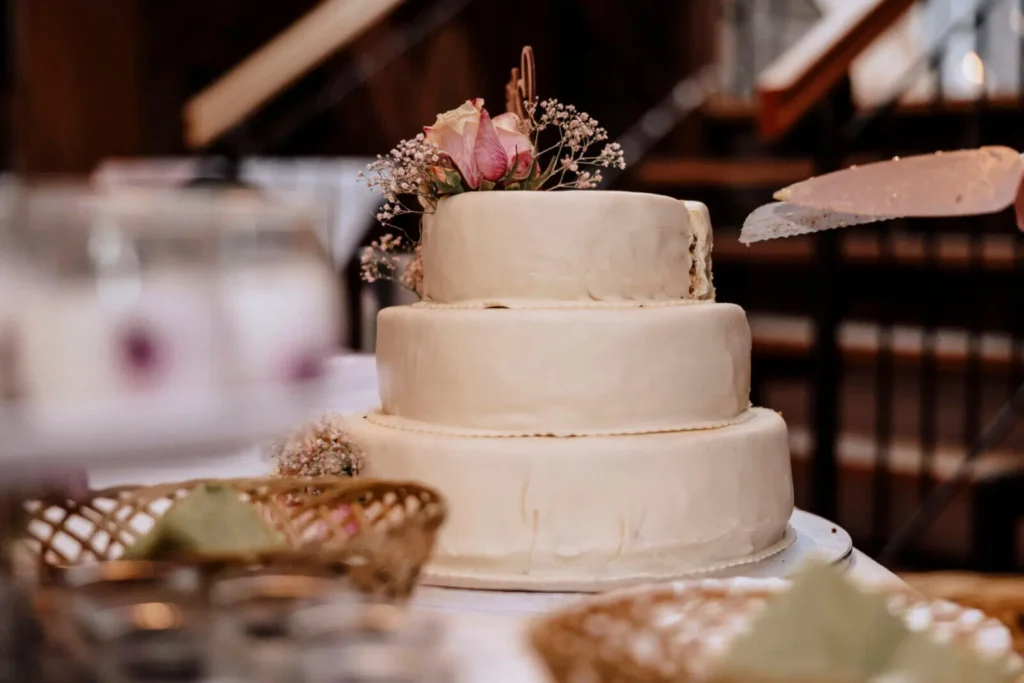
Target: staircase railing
325 30
221 110
808 71
994 515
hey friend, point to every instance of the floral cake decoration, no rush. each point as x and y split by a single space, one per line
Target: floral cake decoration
468 150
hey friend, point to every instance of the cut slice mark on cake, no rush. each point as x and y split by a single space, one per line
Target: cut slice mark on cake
693 265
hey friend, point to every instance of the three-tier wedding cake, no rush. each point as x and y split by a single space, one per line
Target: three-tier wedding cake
571 386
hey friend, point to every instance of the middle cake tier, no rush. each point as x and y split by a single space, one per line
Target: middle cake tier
565 372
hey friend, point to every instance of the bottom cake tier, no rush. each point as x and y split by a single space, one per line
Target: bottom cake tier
549 513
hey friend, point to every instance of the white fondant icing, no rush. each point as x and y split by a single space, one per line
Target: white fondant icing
598 432
551 372
565 246
557 509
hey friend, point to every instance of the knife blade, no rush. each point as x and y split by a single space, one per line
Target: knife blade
958 183
782 219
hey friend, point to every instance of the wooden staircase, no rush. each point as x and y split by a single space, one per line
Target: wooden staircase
928 341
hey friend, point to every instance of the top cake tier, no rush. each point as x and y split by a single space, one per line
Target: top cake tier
582 246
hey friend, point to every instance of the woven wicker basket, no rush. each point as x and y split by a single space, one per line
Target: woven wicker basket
999 596
661 633
378 533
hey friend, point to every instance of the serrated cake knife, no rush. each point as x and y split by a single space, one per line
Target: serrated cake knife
960 183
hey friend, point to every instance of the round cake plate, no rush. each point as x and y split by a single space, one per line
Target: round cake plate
816 538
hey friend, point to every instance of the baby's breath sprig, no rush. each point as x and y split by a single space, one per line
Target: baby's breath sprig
577 133
414 168
318 448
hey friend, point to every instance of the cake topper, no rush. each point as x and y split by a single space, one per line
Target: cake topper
960 183
535 145
522 86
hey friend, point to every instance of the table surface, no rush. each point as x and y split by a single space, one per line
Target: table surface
488 647
493 648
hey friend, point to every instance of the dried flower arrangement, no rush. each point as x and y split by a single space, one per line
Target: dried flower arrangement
318 448
468 151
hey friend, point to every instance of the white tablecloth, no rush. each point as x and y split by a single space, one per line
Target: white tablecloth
492 647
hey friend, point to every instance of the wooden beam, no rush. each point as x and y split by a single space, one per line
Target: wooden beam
793 337
769 172
815 64
708 172
728 108
305 44
953 251
77 84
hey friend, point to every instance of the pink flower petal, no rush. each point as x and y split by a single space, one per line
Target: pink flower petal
523 159
459 149
489 154
514 142
507 121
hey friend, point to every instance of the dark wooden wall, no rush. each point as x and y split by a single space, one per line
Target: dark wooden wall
76 83
109 77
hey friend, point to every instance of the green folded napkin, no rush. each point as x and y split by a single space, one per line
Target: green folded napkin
212 520
922 660
825 629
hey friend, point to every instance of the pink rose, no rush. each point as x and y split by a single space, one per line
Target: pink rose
482 148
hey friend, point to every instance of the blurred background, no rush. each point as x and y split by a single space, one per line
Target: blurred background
886 349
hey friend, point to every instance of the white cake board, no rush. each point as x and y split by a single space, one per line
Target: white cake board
816 538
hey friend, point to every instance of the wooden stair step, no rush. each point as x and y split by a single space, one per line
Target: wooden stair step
905 458
770 173
711 172
793 336
726 107
951 250
918 406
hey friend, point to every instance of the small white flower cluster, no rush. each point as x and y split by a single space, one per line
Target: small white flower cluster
404 171
577 132
320 448
379 261
412 276
410 169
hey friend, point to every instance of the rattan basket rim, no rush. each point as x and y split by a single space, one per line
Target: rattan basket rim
555 637
274 484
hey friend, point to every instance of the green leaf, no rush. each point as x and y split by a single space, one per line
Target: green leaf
514 186
445 188
534 179
550 169
512 169
211 520
537 177
534 168
452 177
486 185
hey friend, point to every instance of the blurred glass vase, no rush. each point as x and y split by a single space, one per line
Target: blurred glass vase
160 320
